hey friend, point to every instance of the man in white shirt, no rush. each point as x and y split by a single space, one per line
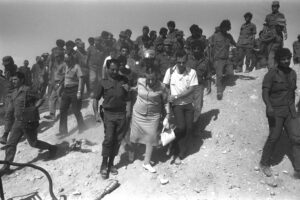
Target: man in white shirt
181 81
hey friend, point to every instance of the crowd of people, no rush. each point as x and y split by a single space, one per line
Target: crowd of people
153 82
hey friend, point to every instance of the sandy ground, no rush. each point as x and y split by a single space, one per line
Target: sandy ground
221 162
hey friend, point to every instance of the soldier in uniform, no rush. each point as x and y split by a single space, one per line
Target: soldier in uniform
278 93
172 31
39 76
23 109
26 71
166 59
220 43
271 19
296 51
140 40
116 106
245 44
179 44
199 62
9 71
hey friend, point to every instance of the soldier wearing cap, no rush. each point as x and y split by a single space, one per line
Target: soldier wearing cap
26 71
39 76
220 43
121 41
271 19
245 44
166 59
128 40
9 70
296 51
23 109
196 34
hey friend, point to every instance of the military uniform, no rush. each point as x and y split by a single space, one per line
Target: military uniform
271 20
201 67
280 88
245 45
26 71
275 44
164 61
114 105
296 52
220 45
39 77
25 123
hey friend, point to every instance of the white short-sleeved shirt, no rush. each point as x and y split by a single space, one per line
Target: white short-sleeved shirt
180 83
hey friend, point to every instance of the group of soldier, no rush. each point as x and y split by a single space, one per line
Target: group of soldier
63 75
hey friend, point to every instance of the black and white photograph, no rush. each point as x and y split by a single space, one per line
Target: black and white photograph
149 99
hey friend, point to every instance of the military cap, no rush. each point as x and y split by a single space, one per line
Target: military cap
6 60
167 42
275 3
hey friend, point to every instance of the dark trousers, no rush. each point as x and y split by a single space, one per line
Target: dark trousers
69 98
18 130
184 115
276 125
242 53
222 67
114 130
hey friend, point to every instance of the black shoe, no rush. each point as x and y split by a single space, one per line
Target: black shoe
266 170
3 140
219 96
52 152
113 170
104 172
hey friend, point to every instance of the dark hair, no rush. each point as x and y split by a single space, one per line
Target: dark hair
225 24
171 24
282 53
163 30
91 40
114 61
194 28
128 31
180 53
70 44
248 14
20 75
60 43
122 59
146 27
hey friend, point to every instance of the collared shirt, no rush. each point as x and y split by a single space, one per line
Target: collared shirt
21 98
220 44
296 49
113 93
247 35
150 100
282 88
72 75
200 66
271 19
180 83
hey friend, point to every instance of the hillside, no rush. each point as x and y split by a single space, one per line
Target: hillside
221 162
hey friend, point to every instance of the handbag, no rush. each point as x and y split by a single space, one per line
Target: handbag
167 136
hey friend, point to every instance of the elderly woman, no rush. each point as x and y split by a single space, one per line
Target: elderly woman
147 112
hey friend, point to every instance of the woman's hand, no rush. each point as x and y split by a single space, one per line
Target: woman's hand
166 124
